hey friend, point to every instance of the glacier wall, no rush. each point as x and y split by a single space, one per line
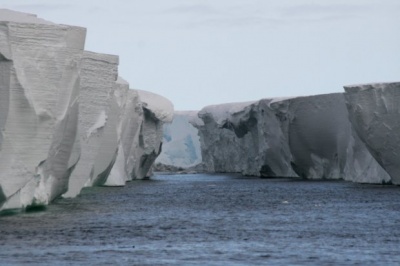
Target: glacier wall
244 138
97 121
310 137
322 142
181 143
66 119
40 64
374 112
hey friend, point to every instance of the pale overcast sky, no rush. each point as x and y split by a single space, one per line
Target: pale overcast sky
202 52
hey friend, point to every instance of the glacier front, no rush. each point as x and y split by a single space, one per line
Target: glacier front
39 93
310 137
374 112
66 119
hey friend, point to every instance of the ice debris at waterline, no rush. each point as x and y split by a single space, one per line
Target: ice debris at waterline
66 119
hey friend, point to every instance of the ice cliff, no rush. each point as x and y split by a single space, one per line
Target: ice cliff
40 64
306 136
66 119
157 110
374 112
181 144
244 138
97 128
322 142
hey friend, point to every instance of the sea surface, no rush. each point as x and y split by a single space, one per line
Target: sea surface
211 220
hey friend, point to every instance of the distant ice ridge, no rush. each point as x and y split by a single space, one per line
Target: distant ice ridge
66 119
310 137
181 143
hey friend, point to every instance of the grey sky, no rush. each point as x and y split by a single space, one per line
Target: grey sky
202 52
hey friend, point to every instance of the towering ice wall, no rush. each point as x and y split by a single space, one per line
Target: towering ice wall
97 125
141 129
39 91
66 121
306 136
322 142
374 112
181 144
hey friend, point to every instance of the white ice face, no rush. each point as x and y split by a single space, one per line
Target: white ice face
66 119
40 64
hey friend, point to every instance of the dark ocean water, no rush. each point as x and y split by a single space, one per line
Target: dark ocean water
211 220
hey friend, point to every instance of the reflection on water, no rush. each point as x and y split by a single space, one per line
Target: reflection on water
213 220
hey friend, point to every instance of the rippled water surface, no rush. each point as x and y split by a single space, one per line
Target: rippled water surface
211 220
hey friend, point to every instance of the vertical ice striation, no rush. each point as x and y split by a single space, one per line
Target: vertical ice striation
98 117
129 123
39 92
374 112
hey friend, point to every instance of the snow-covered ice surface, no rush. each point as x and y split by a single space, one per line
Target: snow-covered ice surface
39 92
181 144
374 112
